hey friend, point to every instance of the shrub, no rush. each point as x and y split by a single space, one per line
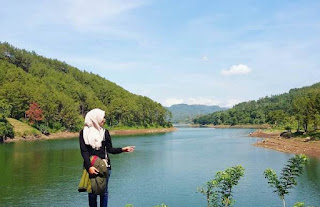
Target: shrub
6 130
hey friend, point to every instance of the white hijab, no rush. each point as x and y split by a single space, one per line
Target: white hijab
93 134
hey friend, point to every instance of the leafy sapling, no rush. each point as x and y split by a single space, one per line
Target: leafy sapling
288 177
219 190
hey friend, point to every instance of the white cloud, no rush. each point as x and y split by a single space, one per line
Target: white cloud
212 101
237 70
203 101
85 12
108 18
231 102
171 101
98 65
205 58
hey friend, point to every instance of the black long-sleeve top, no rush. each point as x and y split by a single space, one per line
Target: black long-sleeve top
106 147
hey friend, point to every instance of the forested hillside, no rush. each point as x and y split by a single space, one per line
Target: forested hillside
184 113
53 95
299 109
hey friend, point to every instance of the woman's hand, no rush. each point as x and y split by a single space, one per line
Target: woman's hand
128 149
93 171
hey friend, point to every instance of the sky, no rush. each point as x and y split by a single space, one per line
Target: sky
193 51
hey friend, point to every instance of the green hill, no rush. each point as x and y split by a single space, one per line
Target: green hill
53 95
184 113
299 109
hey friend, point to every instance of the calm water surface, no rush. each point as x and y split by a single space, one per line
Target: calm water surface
165 168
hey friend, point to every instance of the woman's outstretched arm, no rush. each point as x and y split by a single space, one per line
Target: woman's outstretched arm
111 149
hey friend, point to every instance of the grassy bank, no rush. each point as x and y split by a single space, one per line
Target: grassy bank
23 130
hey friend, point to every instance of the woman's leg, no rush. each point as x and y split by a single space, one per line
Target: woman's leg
104 197
92 199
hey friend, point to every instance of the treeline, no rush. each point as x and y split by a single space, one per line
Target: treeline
57 96
299 109
184 113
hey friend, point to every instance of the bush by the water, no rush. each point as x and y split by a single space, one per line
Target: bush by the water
6 130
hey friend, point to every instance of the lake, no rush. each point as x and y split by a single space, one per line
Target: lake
165 168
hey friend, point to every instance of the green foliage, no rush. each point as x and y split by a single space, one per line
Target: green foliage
43 128
6 130
300 204
30 133
219 190
300 109
162 205
65 94
288 177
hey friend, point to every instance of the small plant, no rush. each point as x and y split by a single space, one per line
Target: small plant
288 128
289 173
300 204
162 205
219 190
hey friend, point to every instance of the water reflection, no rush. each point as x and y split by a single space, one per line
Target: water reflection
164 168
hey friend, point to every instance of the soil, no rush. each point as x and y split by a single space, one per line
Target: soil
293 145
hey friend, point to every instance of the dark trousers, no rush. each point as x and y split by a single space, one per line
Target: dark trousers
103 197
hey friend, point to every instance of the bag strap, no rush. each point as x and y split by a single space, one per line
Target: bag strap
94 158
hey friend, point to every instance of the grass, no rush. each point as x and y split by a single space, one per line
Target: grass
22 129
274 130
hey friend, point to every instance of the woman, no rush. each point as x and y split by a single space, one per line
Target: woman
95 140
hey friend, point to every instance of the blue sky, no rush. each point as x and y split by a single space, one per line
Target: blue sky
192 51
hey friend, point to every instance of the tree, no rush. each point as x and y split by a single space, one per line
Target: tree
6 129
66 94
34 113
303 106
278 117
219 190
289 173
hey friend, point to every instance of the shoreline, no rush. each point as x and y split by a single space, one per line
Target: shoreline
272 140
238 126
69 135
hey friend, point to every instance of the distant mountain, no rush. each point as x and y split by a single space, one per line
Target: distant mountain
184 113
